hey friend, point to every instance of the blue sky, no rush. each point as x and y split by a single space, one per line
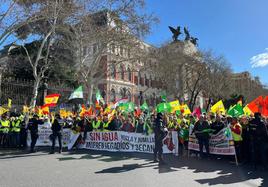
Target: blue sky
237 29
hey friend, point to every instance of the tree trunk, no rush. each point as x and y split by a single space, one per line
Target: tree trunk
35 93
194 100
90 93
209 102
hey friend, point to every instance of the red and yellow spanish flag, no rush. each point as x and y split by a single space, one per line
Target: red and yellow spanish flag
45 110
51 100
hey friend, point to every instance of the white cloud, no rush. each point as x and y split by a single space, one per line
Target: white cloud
260 60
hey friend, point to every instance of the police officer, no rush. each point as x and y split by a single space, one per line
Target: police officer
33 127
23 133
159 134
16 131
56 133
258 140
4 129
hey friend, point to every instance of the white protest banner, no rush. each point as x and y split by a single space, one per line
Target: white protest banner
110 141
128 142
220 143
43 137
73 139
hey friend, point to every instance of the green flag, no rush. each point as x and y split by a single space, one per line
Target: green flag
77 94
144 106
127 107
236 111
164 96
99 98
163 107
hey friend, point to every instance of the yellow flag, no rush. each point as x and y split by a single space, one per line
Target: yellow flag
3 110
186 109
247 111
9 103
63 113
218 108
175 105
25 109
110 116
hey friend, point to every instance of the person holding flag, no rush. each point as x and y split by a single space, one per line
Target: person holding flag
237 136
201 130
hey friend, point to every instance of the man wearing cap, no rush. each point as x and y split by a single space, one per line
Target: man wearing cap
201 130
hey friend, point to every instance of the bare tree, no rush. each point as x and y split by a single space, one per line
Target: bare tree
107 36
175 64
218 84
51 15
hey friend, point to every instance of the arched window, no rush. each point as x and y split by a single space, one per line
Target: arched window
129 75
123 92
112 96
129 96
113 71
140 79
122 72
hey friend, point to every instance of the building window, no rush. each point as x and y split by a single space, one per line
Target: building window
146 81
140 79
122 72
123 92
129 96
113 71
112 96
129 75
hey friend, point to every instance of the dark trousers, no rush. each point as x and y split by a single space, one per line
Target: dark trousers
238 149
203 142
263 153
34 137
15 139
5 139
23 137
158 148
54 136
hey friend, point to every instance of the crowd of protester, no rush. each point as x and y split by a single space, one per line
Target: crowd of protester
249 132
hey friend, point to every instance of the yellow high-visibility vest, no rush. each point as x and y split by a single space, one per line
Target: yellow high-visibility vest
16 126
5 126
237 137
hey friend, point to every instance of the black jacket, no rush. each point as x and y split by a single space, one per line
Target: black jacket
56 126
159 127
33 125
258 131
217 126
198 128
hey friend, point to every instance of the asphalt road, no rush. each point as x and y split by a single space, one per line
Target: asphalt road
106 169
